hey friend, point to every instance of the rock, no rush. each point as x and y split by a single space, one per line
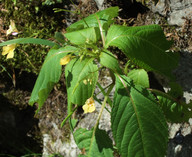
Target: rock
173 128
183 74
53 142
16 129
175 10
180 150
100 4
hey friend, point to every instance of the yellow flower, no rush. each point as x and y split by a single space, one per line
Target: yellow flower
12 28
89 105
65 60
9 50
85 82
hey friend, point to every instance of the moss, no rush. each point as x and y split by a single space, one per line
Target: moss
32 19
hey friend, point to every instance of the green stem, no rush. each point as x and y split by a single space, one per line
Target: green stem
30 62
6 71
103 91
68 116
95 98
158 92
72 2
100 113
101 31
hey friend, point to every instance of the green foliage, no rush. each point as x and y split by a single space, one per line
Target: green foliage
138 125
94 144
51 2
81 78
139 77
105 17
138 117
80 37
175 111
49 75
145 45
59 37
28 41
107 59
32 19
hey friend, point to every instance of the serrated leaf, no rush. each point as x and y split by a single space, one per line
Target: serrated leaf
29 41
108 60
144 45
105 17
81 78
49 75
80 37
174 111
139 77
138 125
98 145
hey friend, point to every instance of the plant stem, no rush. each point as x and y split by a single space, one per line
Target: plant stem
30 62
103 91
158 92
101 31
6 71
95 98
68 116
100 113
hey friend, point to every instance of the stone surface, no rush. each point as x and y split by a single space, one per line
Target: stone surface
175 10
68 148
53 138
100 4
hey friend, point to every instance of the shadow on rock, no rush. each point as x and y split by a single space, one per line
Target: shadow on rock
181 149
17 129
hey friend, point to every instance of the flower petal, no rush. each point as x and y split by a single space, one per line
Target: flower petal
85 108
89 105
9 50
65 60
12 28
85 82
10 54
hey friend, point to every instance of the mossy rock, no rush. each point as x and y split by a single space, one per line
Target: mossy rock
32 19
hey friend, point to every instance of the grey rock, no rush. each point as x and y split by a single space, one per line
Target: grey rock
53 141
100 4
175 10
183 75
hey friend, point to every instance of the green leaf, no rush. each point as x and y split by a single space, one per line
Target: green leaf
138 125
81 78
144 45
139 77
59 37
29 41
108 60
175 111
98 145
176 90
80 37
49 75
105 17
